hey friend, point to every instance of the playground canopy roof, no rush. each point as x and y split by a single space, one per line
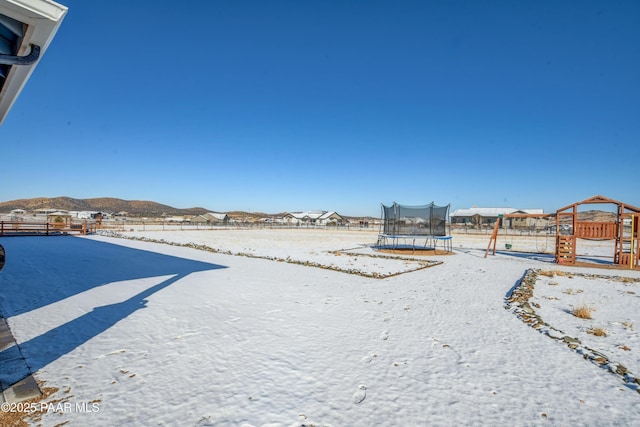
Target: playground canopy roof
597 199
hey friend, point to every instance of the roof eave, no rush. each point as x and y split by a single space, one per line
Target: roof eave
43 18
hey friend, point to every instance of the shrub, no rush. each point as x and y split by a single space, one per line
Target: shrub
598 332
583 312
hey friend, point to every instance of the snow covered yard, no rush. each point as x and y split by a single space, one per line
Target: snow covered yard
595 314
158 334
346 251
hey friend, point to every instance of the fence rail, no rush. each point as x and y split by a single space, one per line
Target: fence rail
19 228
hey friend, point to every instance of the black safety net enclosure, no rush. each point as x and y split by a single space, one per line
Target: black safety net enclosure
425 220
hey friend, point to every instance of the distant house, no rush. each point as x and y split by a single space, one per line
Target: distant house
211 218
199 219
217 217
273 220
488 216
49 211
178 219
85 214
313 218
18 212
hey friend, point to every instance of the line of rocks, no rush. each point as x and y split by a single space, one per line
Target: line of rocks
518 303
421 264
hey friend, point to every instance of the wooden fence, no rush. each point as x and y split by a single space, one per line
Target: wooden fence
18 228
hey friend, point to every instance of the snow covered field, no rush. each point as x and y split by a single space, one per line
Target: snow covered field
292 328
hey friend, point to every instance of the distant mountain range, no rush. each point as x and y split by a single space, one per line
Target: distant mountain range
140 208
134 208
143 208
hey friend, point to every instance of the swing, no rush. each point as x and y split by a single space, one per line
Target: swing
546 240
509 244
542 249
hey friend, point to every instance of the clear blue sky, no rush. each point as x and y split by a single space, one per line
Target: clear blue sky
278 106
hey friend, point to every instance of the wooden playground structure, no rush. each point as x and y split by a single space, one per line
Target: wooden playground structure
623 230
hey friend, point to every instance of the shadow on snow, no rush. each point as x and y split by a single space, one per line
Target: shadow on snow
43 270
550 258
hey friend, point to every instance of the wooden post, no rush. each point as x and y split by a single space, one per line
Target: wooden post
631 248
494 238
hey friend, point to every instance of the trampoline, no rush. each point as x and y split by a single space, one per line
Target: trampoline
414 227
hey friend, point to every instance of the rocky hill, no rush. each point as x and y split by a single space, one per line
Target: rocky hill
134 208
139 208
597 216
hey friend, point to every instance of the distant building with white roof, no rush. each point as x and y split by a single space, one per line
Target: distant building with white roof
211 218
313 218
488 216
85 214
